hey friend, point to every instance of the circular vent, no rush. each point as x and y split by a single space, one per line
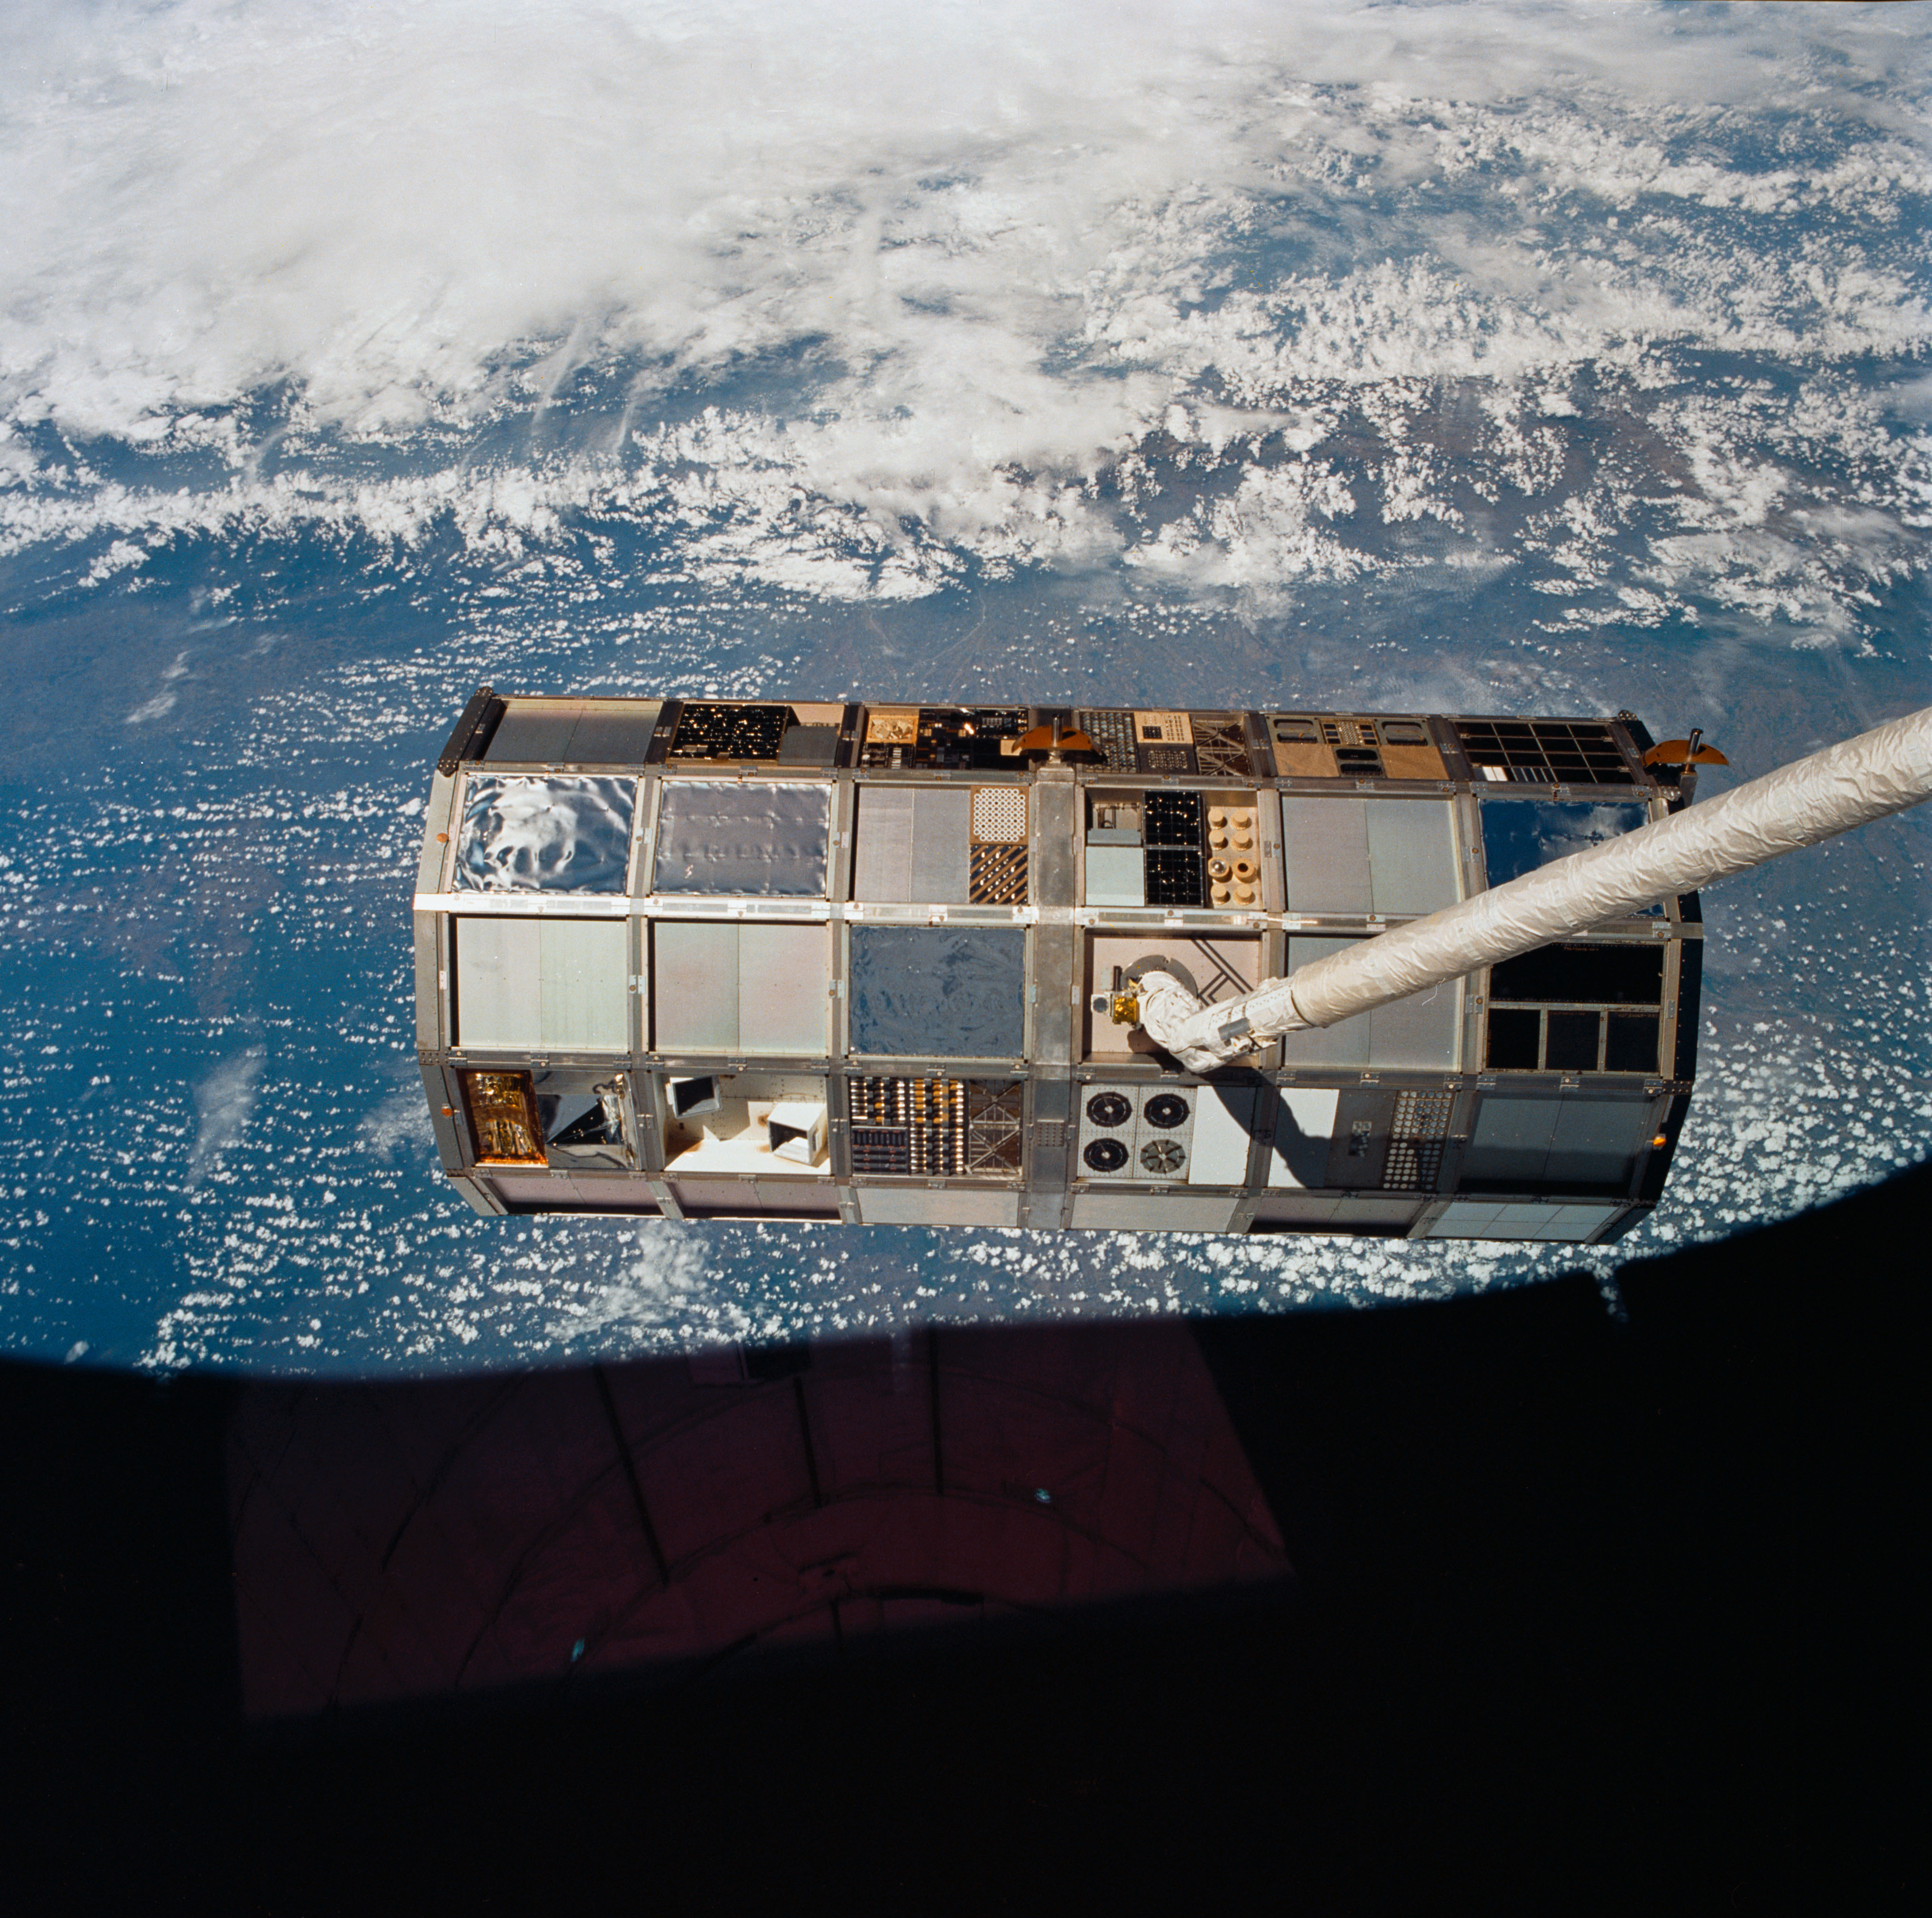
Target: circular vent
1161 1156
1164 1110
1109 1108
1106 1155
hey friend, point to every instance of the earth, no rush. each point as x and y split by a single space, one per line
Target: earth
1548 359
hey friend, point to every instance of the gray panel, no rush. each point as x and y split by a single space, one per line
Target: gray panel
741 1198
882 869
498 966
919 991
1053 961
614 734
1055 803
1153 1212
1420 1033
1482 1218
784 978
694 986
1511 1138
809 745
942 846
429 987
565 833
547 1189
436 827
1411 856
534 733
763 838
1116 876
914 1205
1342 1213
1417 1032
1327 849
1597 1141
1312 1209
585 974
1346 1044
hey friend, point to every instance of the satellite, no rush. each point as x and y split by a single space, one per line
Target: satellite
1404 975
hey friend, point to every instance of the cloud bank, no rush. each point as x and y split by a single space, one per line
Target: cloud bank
843 297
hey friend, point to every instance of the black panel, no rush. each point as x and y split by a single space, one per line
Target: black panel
1603 975
470 736
711 730
1632 1045
1172 819
1546 751
1173 877
1514 1038
1571 1045
1690 998
1173 827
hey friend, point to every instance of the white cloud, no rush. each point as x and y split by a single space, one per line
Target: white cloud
996 249
224 1102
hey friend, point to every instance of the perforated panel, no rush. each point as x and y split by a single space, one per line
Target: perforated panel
1000 814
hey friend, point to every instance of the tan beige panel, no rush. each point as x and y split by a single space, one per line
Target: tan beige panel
1295 759
1413 762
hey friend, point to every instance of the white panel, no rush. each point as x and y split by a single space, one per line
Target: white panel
498 1002
1224 1119
585 972
784 982
1306 1113
1412 864
882 868
911 1205
695 985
